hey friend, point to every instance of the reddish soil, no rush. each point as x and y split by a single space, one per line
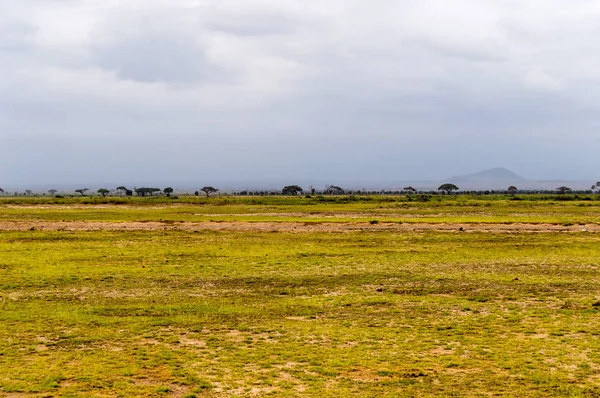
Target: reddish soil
288 226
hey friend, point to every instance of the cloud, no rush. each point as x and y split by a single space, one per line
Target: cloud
327 81
16 35
540 80
155 58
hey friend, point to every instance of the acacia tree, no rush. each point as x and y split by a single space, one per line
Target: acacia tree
82 191
103 191
121 189
28 191
1 190
409 190
563 190
334 190
291 190
52 191
146 191
448 188
209 190
168 191
512 190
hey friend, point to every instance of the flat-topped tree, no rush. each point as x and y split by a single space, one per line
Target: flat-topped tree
512 190
103 192
168 191
334 190
52 191
563 190
121 190
448 188
146 191
409 190
209 190
82 191
291 190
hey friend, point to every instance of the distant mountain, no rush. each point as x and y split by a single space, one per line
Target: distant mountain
492 179
496 178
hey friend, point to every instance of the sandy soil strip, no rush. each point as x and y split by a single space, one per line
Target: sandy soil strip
288 226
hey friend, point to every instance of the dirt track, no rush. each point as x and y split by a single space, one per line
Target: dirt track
288 226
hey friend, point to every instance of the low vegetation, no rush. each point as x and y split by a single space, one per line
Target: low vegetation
452 304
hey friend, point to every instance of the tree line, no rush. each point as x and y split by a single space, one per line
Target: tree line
291 190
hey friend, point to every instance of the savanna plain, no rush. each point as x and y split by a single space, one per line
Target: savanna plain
449 295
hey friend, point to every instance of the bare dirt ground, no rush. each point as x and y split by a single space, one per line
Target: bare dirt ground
289 226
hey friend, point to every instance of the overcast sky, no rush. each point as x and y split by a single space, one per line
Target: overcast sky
217 90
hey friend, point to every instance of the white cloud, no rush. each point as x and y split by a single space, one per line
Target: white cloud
539 80
280 46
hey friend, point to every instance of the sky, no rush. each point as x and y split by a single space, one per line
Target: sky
123 91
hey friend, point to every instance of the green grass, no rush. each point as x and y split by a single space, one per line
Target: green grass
441 209
248 313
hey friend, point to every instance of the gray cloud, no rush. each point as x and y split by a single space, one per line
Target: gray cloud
155 58
16 35
195 90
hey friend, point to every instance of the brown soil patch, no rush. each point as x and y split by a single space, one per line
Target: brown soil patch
184 340
362 374
441 351
289 226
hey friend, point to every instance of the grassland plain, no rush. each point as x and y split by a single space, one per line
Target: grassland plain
359 310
